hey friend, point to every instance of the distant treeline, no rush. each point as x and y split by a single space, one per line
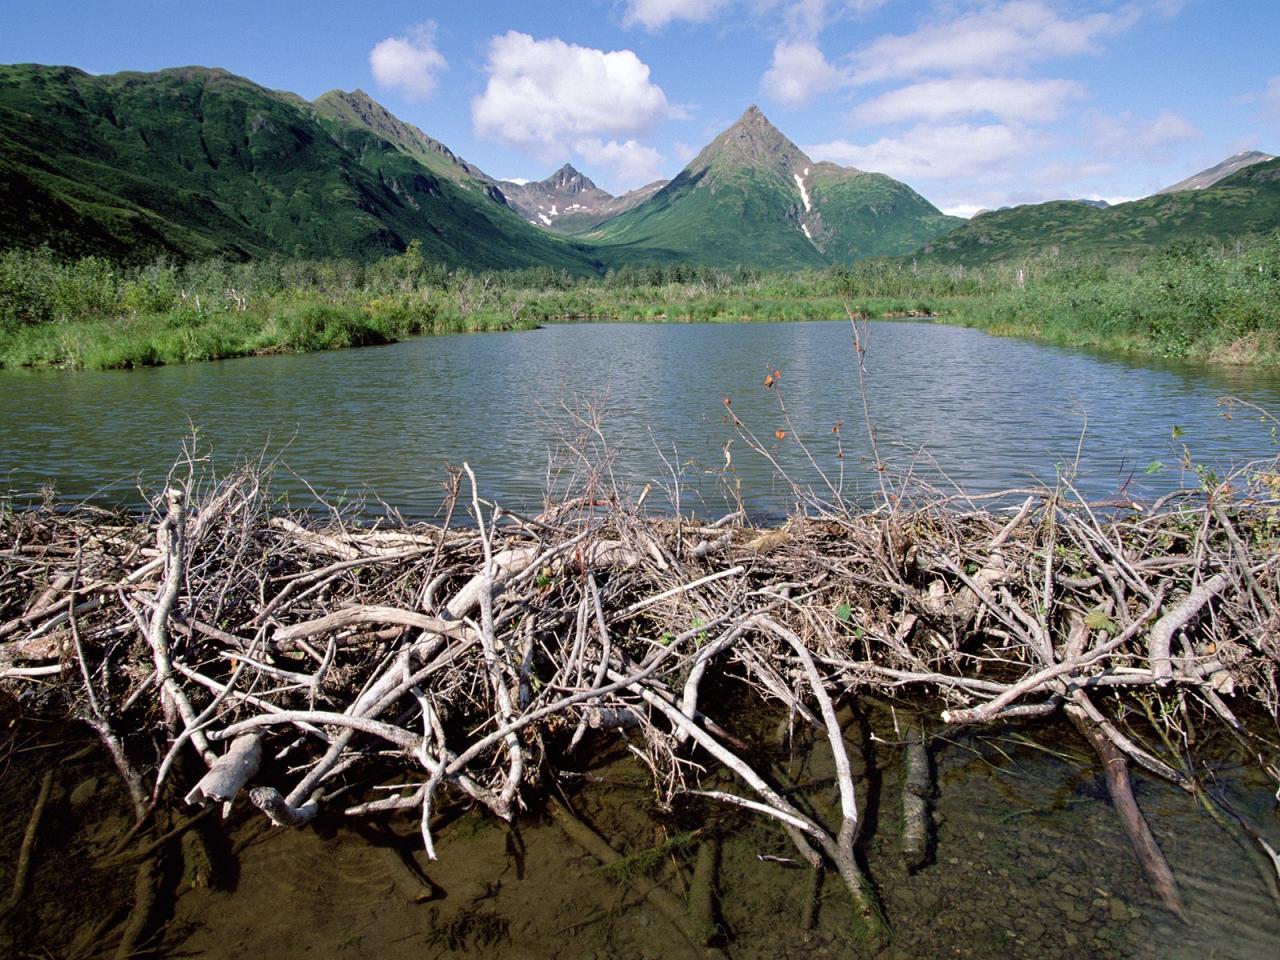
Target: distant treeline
1194 299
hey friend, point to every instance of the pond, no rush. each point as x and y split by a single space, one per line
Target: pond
1028 857
954 406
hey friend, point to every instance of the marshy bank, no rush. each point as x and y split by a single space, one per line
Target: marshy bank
1201 302
634 735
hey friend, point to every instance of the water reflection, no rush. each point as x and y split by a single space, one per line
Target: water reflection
988 413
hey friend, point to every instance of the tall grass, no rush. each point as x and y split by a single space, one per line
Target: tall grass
1188 301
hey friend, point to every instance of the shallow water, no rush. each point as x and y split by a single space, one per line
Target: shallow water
955 405
1030 861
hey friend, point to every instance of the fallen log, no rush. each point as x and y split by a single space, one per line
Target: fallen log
22 870
917 788
1116 769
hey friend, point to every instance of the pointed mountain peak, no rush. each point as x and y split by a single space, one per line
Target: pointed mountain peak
568 180
567 193
752 141
754 123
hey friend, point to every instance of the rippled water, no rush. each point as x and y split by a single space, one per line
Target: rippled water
986 412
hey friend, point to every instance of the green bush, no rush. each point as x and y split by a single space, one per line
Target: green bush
152 290
1191 299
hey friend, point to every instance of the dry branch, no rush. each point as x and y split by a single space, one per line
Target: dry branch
468 662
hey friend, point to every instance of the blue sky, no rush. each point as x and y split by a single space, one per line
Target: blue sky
975 103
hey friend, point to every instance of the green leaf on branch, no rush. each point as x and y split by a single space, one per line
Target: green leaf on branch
1097 619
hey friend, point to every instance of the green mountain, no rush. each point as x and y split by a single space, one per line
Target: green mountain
358 109
858 215
196 162
752 197
1245 203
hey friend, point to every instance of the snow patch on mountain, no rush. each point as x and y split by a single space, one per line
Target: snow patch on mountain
804 192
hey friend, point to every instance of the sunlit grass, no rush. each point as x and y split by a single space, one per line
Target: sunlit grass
1191 301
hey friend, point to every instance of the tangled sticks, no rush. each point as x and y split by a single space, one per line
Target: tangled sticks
295 658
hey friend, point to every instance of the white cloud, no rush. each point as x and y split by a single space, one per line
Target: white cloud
993 199
1125 135
410 64
1009 98
799 73
1069 172
1269 98
547 94
1166 128
631 164
925 152
993 39
655 14
860 7
960 104
802 19
684 152
806 19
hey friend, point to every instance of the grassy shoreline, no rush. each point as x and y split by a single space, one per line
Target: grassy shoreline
158 340
1191 302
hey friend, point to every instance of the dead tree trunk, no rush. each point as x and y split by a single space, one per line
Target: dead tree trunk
1116 768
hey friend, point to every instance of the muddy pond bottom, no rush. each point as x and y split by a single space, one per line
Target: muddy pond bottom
1029 861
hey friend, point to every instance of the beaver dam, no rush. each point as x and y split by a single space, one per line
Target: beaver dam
1027 725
